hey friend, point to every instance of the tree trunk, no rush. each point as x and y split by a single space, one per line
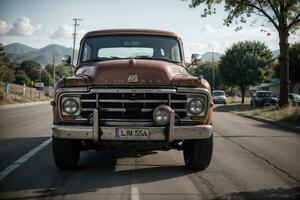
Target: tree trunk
291 87
243 89
284 67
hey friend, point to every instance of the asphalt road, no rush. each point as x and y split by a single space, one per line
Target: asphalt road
251 160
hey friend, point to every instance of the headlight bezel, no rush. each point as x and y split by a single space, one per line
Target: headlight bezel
203 103
77 102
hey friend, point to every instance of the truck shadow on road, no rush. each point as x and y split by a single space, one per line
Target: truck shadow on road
97 171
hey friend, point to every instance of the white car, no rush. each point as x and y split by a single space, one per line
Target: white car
219 97
294 99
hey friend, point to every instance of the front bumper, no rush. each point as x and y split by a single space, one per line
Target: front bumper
168 133
219 101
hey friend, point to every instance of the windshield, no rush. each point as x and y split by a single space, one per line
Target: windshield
265 94
219 93
139 47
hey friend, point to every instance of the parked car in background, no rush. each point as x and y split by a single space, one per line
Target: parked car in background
219 97
294 99
263 98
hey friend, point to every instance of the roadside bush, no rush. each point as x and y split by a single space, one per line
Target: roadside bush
22 78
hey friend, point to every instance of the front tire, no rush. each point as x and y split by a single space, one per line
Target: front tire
198 153
66 153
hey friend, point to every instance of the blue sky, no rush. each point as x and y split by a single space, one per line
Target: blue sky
38 23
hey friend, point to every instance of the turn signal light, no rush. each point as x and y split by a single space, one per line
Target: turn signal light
190 82
70 82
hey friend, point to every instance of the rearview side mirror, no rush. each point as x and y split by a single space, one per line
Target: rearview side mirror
66 60
196 59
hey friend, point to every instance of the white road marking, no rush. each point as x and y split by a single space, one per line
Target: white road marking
9 169
134 193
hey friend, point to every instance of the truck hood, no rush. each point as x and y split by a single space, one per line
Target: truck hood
134 72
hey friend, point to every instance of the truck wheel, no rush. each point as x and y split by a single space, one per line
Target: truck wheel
197 153
66 153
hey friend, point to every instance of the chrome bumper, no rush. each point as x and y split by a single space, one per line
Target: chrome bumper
168 133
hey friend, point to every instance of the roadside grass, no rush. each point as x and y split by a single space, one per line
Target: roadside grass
288 114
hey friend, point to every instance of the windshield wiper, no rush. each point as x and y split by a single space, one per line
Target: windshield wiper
155 58
98 60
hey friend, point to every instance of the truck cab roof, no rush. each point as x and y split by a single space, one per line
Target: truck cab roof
130 32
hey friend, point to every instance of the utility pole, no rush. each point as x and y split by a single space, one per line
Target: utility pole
40 84
53 62
213 68
74 39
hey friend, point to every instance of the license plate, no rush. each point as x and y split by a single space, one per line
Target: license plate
132 133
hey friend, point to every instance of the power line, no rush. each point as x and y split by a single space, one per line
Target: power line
74 39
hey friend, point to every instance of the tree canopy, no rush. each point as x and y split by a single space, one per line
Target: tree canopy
244 64
294 64
284 15
60 71
205 70
294 61
31 68
22 78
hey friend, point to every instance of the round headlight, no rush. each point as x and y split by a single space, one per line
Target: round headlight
195 106
70 106
161 115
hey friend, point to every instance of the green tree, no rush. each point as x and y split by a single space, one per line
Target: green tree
294 65
60 71
63 71
7 69
2 52
284 15
49 69
31 68
22 78
206 70
46 77
294 62
3 58
244 64
6 74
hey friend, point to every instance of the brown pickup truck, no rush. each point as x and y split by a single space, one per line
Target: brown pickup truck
132 92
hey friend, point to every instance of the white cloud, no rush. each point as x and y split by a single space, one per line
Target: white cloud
207 28
23 27
3 27
62 32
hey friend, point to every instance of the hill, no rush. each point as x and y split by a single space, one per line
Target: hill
19 52
208 56
18 48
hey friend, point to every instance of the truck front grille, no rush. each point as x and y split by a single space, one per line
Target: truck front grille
130 107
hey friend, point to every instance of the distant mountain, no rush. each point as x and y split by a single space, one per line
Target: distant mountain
19 52
18 48
208 56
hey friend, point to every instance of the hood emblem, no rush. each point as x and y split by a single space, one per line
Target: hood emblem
133 78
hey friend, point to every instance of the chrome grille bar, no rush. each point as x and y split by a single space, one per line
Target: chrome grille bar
131 101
